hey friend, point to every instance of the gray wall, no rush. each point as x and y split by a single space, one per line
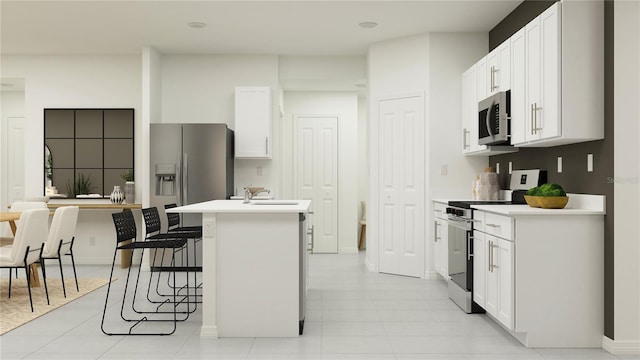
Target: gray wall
574 177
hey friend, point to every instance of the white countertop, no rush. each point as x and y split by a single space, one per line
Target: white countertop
235 206
579 204
514 210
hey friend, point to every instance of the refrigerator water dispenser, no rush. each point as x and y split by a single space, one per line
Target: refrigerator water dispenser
165 179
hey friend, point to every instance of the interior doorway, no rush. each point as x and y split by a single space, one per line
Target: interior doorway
401 185
316 174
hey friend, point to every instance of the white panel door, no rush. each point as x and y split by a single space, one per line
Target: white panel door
16 160
317 177
401 202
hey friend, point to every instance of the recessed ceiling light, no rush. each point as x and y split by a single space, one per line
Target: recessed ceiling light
196 24
368 24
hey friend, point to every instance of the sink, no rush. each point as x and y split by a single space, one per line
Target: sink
274 202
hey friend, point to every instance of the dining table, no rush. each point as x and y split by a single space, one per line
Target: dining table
11 217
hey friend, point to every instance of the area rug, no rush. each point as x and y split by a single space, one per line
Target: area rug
15 311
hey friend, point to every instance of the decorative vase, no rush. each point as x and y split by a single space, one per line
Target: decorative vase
489 189
130 192
117 197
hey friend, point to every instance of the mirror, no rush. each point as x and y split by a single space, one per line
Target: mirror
91 149
49 187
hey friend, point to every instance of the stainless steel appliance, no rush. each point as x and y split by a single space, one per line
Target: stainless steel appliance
460 225
190 163
494 126
460 220
302 270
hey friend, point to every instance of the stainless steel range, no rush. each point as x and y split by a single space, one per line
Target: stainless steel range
460 221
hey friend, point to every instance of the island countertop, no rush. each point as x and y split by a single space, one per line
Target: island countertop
237 206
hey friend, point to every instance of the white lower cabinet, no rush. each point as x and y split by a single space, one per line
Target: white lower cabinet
440 241
493 274
500 275
540 275
479 269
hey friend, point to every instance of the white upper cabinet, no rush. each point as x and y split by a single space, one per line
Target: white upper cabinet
475 89
557 91
499 69
542 77
518 87
554 67
470 89
253 122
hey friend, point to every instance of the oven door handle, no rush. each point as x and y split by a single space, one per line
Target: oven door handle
469 253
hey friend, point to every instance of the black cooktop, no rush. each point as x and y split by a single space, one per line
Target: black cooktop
466 204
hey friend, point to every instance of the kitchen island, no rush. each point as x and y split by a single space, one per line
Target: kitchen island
253 267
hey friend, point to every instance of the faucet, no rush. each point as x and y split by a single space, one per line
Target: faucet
250 192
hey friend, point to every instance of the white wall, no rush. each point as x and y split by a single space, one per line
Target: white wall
451 54
201 88
363 155
11 105
396 68
345 106
75 82
627 178
431 64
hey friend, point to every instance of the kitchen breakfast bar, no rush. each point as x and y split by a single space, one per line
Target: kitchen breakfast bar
254 263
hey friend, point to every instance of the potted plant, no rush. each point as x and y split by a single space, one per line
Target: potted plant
547 196
129 186
82 186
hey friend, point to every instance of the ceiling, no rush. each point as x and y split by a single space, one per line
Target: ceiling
285 28
300 28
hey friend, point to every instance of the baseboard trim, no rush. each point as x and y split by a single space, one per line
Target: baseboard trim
349 250
621 347
210 332
431 275
370 266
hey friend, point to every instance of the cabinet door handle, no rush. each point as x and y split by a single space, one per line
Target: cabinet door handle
469 254
533 126
435 231
310 246
491 264
535 116
266 145
493 78
492 225
495 85
489 251
464 139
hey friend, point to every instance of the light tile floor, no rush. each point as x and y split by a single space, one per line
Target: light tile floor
352 314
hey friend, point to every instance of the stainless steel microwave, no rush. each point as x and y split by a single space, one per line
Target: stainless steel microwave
494 119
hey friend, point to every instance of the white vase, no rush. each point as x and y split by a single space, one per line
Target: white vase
130 192
117 197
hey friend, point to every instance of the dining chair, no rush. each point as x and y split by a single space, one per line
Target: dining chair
60 241
27 246
20 206
126 235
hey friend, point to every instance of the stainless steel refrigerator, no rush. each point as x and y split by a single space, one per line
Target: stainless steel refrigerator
190 163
